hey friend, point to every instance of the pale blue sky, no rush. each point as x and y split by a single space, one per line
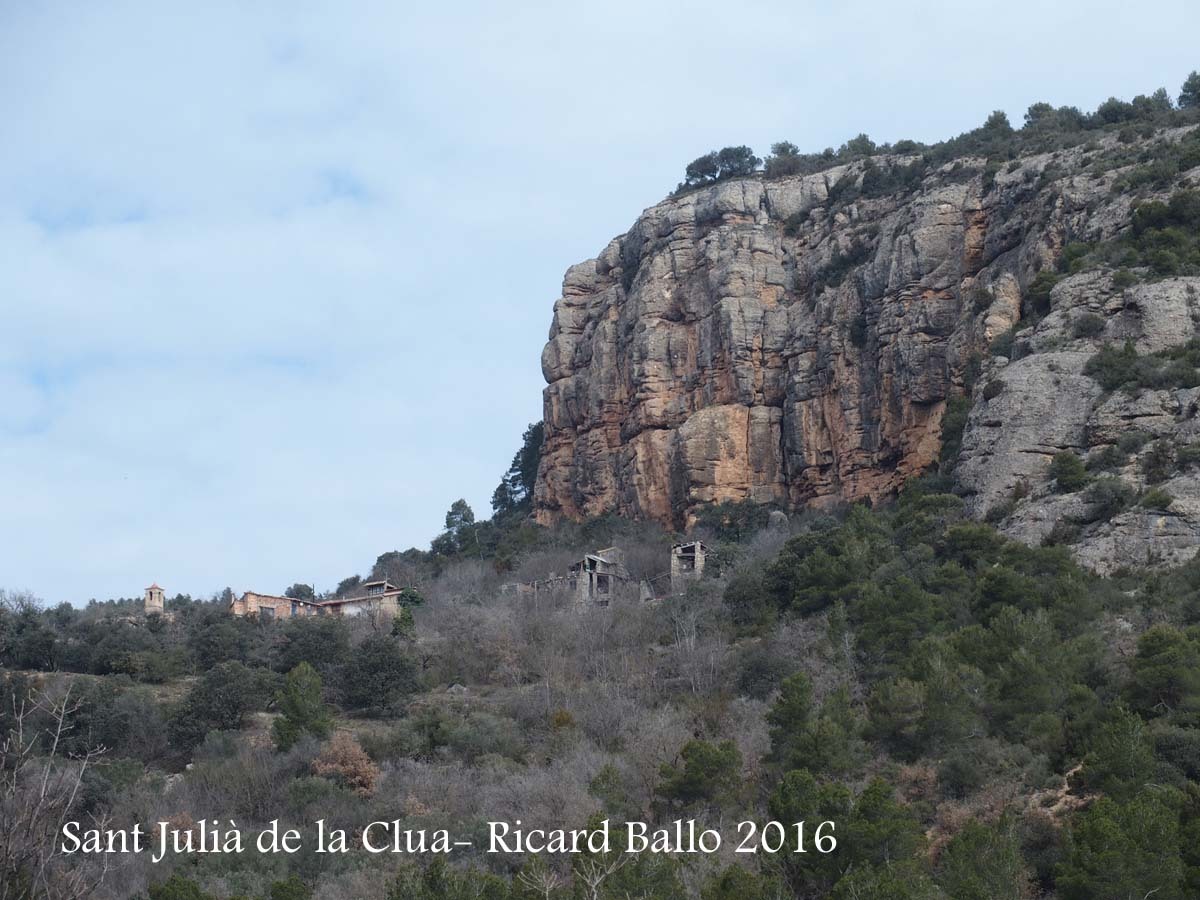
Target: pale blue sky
275 277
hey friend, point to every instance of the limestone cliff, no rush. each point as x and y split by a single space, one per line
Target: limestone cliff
796 340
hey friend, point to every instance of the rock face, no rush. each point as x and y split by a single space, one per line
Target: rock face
797 340
1043 403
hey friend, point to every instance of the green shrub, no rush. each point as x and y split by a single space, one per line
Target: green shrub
1065 531
1006 508
1156 498
1133 441
954 422
879 181
1088 325
1123 278
1110 458
993 389
1002 344
1126 369
1165 236
377 676
219 701
177 887
793 223
1107 497
291 888
962 773
705 773
1037 294
1112 368
1158 462
747 602
842 263
1188 456
1068 472
1074 257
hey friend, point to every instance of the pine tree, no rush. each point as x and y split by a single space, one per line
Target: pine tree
301 709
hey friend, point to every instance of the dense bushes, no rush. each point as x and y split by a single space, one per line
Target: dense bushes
1125 369
1068 472
378 675
1087 325
219 701
1037 294
1166 236
1106 497
1163 240
954 423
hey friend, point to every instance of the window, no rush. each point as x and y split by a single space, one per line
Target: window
603 584
266 613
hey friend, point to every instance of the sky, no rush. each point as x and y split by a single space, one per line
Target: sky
275 277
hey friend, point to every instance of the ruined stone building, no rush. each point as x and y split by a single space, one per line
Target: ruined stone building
687 564
599 577
377 598
270 606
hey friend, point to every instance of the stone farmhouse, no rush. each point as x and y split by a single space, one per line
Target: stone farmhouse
377 598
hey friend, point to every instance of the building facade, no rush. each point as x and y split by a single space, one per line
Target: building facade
377 598
687 564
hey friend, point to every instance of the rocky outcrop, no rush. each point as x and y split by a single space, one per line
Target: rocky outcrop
796 341
1042 403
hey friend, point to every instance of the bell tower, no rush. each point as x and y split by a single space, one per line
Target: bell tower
153 601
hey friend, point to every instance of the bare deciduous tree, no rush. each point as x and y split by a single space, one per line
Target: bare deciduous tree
592 871
39 789
540 879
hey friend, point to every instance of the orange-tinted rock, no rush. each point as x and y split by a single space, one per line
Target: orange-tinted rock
758 339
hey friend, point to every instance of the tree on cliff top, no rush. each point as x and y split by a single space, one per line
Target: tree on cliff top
728 162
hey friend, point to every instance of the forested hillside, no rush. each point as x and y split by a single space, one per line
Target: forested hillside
980 719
